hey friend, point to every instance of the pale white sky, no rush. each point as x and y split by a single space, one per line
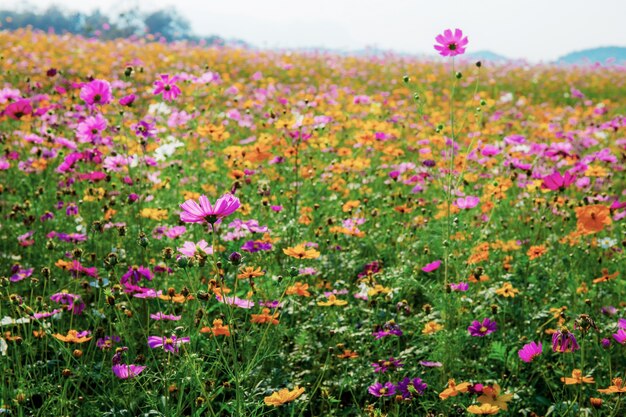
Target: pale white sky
537 30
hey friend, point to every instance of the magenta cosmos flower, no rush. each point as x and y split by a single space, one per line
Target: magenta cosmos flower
18 109
123 371
166 86
480 329
451 44
530 351
433 266
171 344
558 182
205 212
96 92
380 390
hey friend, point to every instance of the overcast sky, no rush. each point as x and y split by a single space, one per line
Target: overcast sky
537 30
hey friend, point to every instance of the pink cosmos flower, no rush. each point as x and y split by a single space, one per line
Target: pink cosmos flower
162 316
620 336
433 266
451 44
558 182
167 87
205 212
236 301
467 202
18 109
190 249
96 92
171 344
90 130
530 351
123 371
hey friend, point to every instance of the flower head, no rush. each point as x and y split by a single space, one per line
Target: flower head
556 181
409 388
96 92
123 371
491 395
577 378
480 329
301 252
166 86
206 212
530 351
382 390
451 43
171 344
283 396
564 341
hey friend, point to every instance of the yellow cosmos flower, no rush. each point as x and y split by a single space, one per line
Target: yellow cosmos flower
483 409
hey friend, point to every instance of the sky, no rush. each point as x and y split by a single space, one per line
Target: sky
535 30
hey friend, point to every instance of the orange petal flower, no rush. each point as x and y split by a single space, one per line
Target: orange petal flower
301 252
483 409
577 378
454 389
218 329
283 396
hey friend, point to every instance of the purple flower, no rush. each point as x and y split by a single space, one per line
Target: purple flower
135 273
73 301
145 129
205 212
128 100
123 371
431 364
380 390
606 343
461 286
408 388
621 323
383 366
530 351
21 273
107 342
161 316
46 314
620 336
480 329
171 344
451 44
388 329
253 246
433 266
96 92
564 341
167 87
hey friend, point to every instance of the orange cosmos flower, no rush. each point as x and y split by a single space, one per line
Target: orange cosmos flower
577 378
592 219
265 317
536 251
348 354
250 272
483 409
453 389
299 289
432 327
301 252
617 387
606 276
283 396
73 336
218 329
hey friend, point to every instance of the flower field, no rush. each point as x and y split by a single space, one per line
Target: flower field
210 231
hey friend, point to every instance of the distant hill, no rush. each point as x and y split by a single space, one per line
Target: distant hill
614 54
487 56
